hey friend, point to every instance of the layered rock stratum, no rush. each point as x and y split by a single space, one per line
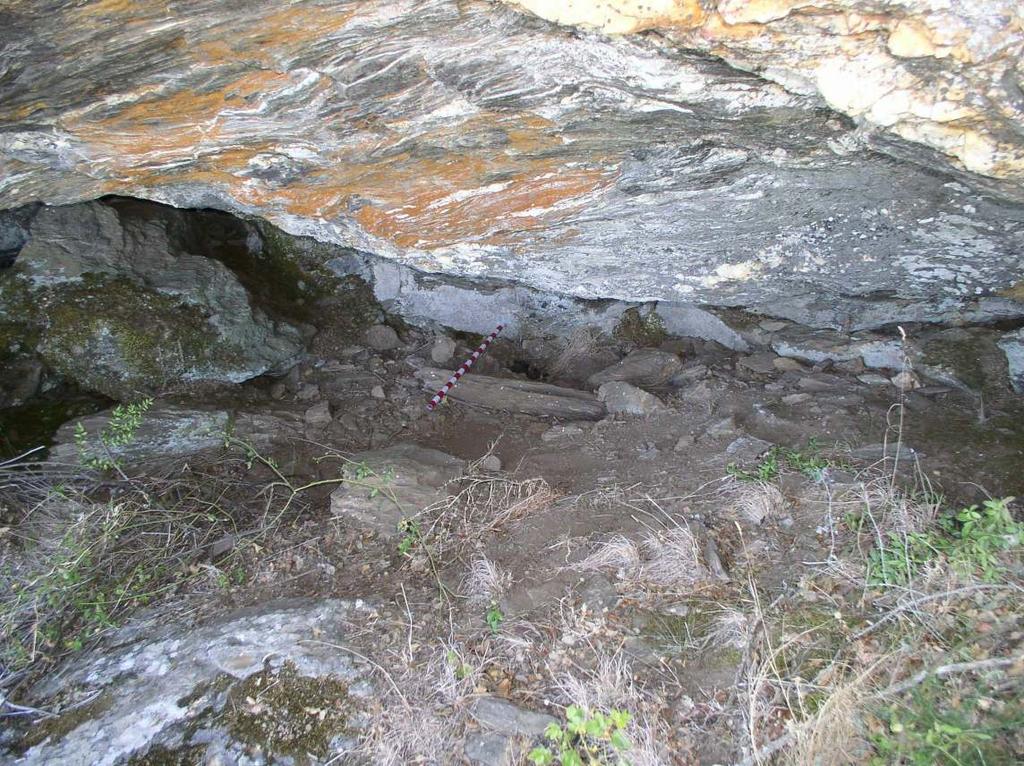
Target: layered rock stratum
476 140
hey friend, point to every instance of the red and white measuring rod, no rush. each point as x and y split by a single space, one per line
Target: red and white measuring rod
463 369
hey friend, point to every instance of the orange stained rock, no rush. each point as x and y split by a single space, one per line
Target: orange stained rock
163 128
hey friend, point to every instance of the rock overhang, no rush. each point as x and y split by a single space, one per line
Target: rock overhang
474 141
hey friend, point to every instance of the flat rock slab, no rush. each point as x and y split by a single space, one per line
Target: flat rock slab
525 397
503 717
159 680
644 367
387 485
165 431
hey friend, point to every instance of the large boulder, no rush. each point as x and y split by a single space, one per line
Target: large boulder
115 302
476 141
161 687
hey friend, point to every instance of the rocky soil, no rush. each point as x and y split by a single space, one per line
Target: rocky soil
310 567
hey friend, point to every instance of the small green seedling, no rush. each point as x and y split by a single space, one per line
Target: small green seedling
410 529
119 432
494 617
590 738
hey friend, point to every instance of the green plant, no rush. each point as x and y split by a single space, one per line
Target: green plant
937 726
588 738
970 540
120 431
411 535
494 617
807 461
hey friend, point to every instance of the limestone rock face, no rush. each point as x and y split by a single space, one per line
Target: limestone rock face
120 305
945 75
476 140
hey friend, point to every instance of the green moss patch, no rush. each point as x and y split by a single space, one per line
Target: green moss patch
641 329
287 713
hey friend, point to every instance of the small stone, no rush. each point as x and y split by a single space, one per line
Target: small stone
505 718
221 546
684 443
377 392
796 399
772 325
486 748
906 381
763 364
308 392
561 432
491 463
319 414
623 399
873 379
278 390
785 364
442 350
382 338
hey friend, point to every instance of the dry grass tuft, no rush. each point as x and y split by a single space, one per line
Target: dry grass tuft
611 684
758 502
673 559
485 582
619 554
731 628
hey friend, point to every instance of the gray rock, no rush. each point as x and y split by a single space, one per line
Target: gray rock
381 337
644 367
561 432
124 308
526 397
692 322
784 364
598 593
165 431
144 672
388 485
772 325
489 748
377 392
1012 344
821 346
491 463
443 349
885 450
623 192
505 718
624 399
319 414
763 364
874 379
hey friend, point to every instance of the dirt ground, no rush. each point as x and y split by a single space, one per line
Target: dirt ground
697 567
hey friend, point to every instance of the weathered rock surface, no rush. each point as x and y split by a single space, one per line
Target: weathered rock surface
474 140
168 431
946 75
643 367
388 485
121 306
1012 344
526 397
169 685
